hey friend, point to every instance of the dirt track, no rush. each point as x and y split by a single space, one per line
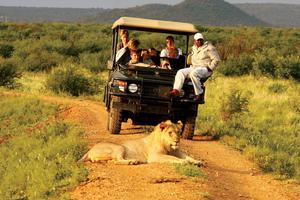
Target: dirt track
228 174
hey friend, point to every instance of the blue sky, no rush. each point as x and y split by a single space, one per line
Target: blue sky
113 3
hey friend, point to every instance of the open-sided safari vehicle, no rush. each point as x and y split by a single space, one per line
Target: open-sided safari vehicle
142 93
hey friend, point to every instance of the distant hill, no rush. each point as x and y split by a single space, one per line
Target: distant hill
283 15
30 14
205 12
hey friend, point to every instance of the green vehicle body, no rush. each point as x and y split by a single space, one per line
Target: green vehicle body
142 93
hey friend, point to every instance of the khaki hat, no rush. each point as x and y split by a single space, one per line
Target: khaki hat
198 36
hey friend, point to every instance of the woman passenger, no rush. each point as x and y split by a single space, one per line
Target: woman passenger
123 55
170 51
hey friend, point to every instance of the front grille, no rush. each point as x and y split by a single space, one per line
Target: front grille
156 91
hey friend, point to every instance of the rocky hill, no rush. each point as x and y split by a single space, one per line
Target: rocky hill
33 14
282 15
205 12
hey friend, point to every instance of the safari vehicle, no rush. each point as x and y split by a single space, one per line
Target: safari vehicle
141 93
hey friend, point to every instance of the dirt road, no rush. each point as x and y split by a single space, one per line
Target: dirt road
228 174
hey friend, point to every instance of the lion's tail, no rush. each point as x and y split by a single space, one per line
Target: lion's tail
84 158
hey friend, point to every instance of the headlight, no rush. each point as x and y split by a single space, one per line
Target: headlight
121 85
132 87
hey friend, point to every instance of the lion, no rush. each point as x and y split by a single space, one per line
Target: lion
161 146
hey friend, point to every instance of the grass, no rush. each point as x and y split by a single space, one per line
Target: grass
41 163
267 130
188 170
35 83
18 114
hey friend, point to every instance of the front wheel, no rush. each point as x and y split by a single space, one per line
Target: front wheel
189 128
114 120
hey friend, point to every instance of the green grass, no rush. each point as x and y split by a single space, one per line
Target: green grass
18 114
188 170
35 83
267 131
41 163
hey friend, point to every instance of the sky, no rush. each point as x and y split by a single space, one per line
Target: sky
113 3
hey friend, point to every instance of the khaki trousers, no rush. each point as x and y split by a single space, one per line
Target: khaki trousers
195 74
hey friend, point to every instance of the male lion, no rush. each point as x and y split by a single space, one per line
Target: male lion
161 146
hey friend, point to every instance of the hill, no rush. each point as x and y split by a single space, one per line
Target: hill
283 15
30 14
205 12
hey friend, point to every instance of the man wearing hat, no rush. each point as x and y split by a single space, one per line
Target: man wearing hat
204 59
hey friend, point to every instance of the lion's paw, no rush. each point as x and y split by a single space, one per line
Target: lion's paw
133 162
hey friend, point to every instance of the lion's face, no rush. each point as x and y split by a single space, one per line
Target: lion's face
171 134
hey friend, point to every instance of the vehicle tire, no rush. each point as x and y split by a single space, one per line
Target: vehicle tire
189 128
114 120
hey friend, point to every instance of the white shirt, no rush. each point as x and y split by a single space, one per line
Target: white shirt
165 52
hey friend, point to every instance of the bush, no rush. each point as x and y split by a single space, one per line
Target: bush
92 61
8 72
263 63
236 66
69 50
74 80
6 50
235 103
277 88
288 67
42 61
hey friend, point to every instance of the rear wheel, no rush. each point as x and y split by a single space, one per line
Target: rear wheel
189 128
114 120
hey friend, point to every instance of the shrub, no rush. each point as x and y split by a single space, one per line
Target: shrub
92 61
42 61
74 80
69 50
6 50
263 63
288 67
277 88
236 66
235 103
8 72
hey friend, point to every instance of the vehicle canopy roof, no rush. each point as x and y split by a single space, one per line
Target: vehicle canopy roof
155 25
